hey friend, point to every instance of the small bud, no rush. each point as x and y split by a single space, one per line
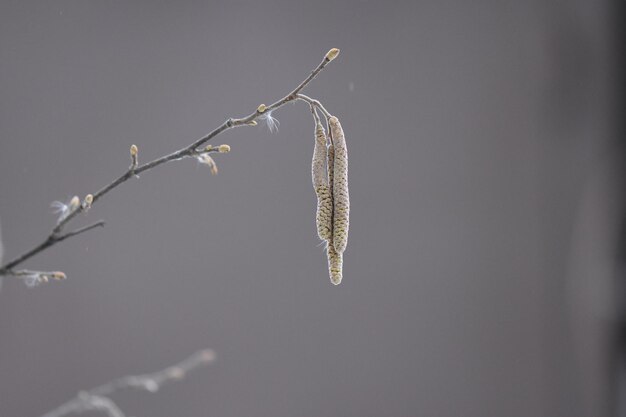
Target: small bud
332 54
261 108
58 275
252 123
87 201
133 157
224 148
74 203
208 147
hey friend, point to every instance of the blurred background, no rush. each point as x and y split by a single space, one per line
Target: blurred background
487 226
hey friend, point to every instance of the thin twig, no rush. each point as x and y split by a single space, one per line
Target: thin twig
134 170
99 223
313 102
97 398
51 240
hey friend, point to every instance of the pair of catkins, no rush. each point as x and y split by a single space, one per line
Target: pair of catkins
330 179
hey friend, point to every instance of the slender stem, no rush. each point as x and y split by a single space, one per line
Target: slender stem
55 236
313 102
316 117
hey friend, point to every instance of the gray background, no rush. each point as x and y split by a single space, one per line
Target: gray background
477 280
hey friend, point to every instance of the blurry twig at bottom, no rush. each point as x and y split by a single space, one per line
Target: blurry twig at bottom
97 399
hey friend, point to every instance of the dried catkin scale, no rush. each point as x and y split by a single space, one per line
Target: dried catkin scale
335 265
324 213
341 197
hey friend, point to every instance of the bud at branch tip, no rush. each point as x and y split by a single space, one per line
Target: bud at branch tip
332 54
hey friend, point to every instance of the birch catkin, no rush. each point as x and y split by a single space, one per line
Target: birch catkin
335 260
341 198
324 213
330 165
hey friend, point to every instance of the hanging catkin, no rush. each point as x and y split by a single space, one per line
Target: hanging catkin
324 214
341 198
335 260
335 265
330 166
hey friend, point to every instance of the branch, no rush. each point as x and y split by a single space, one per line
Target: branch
195 149
99 223
313 103
97 399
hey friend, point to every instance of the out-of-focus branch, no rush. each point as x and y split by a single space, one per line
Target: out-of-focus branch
97 399
196 149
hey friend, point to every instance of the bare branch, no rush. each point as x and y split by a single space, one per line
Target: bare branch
97 398
192 150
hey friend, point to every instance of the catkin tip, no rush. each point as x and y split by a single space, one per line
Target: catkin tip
332 54
133 150
224 148
335 265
